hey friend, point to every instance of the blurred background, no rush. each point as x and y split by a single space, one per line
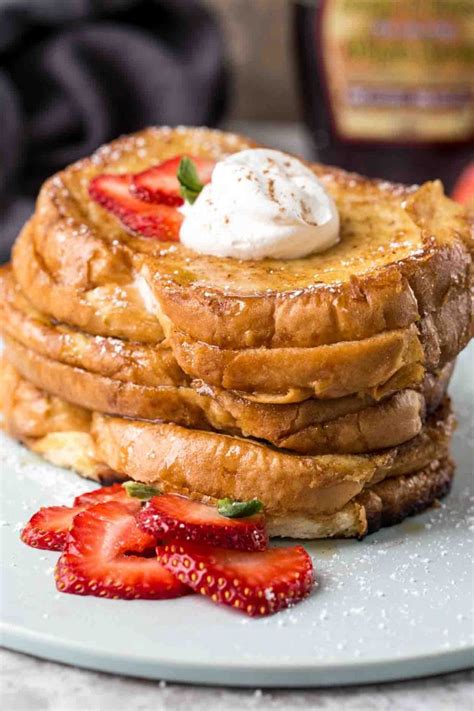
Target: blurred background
384 87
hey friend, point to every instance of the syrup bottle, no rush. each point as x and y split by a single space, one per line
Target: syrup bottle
388 85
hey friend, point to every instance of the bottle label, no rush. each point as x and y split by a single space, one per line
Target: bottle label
399 71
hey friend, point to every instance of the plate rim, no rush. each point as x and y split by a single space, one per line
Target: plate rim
279 674
237 672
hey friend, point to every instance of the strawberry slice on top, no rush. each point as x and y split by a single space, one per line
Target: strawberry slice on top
107 555
258 583
160 184
177 518
113 192
49 527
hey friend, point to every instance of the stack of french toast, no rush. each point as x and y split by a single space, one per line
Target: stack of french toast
317 385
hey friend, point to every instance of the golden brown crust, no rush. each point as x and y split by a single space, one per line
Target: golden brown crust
118 359
331 371
51 427
216 465
344 425
382 505
31 412
108 309
396 419
59 432
296 371
128 361
392 500
402 250
96 392
349 425
274 422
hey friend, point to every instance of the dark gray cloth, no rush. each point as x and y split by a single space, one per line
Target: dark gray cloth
77 73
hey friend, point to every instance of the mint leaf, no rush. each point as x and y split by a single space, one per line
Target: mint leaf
238 509
136 490
188 179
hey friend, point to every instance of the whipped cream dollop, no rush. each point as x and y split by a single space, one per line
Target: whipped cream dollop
261 203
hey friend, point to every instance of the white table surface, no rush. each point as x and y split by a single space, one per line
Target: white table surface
29 684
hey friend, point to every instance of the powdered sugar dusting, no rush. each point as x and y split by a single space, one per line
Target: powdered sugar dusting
403 593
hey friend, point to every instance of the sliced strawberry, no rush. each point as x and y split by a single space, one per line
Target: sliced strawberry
116 492
113 193
160 184
49 527
181 519
102 558
255 583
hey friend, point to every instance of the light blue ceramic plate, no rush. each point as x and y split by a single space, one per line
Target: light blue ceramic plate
397 605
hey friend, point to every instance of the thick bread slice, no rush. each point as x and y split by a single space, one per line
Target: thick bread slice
144 364
285 374
401 251
155 365
349 425
59 432
107 309
188 407
50 426
217 465
378 506
128 361
185 406
281 375
96 392
272 372
34 413
344 425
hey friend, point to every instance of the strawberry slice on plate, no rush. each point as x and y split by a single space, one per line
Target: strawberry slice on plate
107 555
113 192
258 583
49 527
160 184
177 518
116 492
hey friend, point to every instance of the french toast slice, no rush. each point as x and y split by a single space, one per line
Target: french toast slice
155 364
187 407
105 309
278 375
51 427
97 392
41 422
350 425
345 425
402 250
378 506
129 361
219 466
